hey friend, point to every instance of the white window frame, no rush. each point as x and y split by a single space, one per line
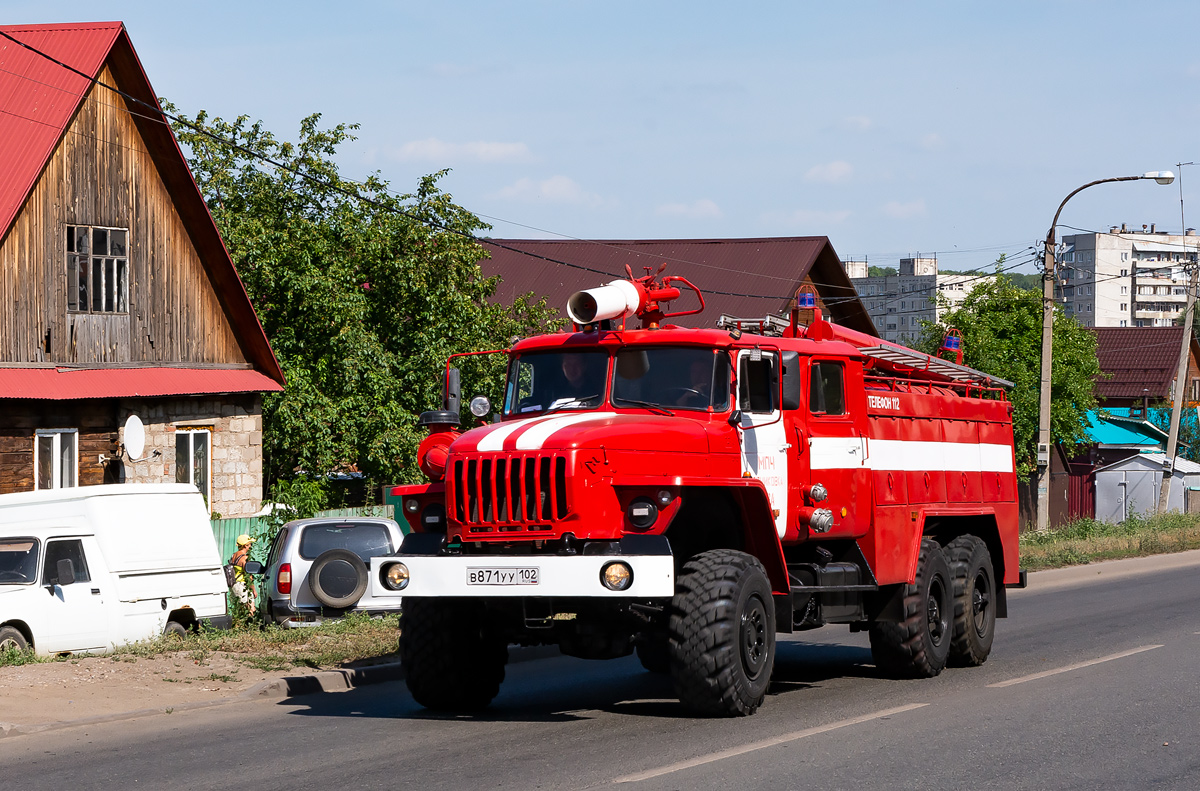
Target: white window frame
54 436
191 431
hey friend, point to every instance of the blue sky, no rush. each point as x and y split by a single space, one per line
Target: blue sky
891 128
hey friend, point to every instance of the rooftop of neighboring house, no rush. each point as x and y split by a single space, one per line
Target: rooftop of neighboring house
1138 362
744 278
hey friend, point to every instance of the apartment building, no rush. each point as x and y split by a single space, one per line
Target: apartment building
899 303
1126 278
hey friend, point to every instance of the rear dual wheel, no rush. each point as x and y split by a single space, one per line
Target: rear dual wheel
919 645
974 601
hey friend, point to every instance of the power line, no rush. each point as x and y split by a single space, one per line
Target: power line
158 115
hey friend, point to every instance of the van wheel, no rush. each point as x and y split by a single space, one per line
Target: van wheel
919 646
175 630
12 640
722 634
338 579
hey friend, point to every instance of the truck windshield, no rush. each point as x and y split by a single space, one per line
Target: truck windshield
679 377
545 381
18 561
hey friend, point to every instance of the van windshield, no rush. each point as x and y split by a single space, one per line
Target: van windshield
18 561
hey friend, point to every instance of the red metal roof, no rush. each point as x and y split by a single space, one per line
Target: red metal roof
1141 361
39 98
61 384
768 270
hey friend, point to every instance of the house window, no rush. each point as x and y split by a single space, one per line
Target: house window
193 459
1196 389
1124 306
97 269
55 458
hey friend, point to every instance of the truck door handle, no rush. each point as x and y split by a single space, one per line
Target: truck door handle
95 591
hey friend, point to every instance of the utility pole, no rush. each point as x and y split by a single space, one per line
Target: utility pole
1168 472
1043 442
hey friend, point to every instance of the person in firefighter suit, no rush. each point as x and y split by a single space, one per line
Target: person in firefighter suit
243 585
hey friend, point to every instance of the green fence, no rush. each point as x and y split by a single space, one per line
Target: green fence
226 531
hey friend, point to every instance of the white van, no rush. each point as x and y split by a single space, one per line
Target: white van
88 568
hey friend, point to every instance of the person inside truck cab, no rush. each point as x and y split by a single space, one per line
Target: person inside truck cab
580 387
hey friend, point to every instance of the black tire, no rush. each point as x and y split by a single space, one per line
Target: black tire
974 601
175 630
654 652
338 578
722 634
12 639
919 646
451 661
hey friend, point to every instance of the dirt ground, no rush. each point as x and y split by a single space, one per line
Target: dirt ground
83 687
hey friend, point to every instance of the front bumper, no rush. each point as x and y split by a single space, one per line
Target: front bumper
557 575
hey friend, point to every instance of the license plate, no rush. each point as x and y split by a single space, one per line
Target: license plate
497 575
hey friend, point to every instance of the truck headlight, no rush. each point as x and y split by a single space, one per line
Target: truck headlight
395 577
616 575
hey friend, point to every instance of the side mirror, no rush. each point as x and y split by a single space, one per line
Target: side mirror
65 571
253 567
735 418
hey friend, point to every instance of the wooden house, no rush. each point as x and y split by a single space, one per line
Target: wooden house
118 298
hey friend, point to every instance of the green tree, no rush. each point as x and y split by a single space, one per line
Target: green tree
363 295
881 271
1001 328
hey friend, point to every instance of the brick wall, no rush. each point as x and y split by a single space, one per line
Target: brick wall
235 426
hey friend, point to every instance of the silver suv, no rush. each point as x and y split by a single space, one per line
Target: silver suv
317 568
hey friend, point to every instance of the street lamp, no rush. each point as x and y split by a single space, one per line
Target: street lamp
1043 444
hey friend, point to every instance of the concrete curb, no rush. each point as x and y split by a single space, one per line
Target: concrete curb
341 680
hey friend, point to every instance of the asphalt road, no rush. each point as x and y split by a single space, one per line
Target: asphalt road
1093 683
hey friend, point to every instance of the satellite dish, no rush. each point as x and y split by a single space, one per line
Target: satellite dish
135 437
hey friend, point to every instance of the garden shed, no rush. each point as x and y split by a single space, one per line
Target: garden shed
1131 486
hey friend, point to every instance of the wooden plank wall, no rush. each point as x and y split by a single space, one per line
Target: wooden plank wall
102 174
97 424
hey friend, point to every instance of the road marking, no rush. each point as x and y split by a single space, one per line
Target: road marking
1076 666
772 742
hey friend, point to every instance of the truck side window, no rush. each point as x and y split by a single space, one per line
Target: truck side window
69 549
276 547
826 392
756 378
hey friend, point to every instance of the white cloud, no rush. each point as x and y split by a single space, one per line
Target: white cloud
905 211
830 173
931 141
699 210
433 149
556 189
860 122
818 217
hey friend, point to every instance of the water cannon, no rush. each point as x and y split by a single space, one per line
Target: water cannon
620 299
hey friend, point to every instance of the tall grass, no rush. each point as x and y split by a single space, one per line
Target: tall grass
1087 541
331 644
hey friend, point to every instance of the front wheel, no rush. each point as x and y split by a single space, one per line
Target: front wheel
451 662
722 634
919 645
11 639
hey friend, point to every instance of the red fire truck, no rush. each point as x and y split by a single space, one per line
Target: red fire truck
689 493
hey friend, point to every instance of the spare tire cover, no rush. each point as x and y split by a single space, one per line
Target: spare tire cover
338 578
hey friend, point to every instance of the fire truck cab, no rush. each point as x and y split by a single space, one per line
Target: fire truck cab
688 493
